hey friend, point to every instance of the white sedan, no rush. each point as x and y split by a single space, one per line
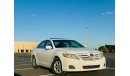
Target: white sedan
64 55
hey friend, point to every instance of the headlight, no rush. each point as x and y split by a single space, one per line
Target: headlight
101 54
68 55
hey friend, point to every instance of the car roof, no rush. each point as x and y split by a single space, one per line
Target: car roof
59 39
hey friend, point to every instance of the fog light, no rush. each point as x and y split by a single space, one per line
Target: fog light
104 64
71 67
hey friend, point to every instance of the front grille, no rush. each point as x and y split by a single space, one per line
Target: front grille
89 56
91 66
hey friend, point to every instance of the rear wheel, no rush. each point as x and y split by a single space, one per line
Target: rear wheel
34 64
57 67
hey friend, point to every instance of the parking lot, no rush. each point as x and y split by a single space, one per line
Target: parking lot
22 67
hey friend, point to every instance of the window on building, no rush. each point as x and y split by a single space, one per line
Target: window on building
18 50
22 50
30 50
27 51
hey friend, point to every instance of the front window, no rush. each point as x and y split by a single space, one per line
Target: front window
67 44
48 43
42 45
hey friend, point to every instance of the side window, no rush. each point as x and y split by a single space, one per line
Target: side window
41 45
48 43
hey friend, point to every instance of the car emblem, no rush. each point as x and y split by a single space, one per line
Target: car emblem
91 55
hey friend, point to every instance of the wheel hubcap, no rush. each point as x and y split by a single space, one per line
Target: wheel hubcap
57 67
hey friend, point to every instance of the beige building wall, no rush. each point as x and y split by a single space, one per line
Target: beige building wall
24 47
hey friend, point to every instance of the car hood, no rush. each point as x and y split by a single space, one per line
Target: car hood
78 50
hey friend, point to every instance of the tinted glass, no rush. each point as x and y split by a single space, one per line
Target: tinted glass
48 43
41 45
67 44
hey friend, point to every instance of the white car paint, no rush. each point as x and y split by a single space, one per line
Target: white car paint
45 57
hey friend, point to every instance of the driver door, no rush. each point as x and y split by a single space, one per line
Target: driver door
47 54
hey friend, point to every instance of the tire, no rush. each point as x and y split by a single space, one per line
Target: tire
34 64
57 68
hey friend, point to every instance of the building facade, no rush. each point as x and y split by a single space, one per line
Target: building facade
24 47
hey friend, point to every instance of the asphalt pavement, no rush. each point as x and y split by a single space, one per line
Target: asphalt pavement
22 67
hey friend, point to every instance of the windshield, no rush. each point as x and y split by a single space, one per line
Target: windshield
67 44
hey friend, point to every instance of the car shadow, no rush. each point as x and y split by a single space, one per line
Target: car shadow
83 73
15 74
45 68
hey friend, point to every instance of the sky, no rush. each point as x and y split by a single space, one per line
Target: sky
90 22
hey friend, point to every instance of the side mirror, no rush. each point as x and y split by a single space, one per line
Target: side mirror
48 47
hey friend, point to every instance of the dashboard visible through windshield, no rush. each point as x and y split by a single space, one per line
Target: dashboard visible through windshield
67 44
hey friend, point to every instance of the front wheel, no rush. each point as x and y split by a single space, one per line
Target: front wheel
57 67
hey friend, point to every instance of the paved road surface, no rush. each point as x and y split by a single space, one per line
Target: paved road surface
22 66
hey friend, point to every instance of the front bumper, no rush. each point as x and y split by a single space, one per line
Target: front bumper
81 65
